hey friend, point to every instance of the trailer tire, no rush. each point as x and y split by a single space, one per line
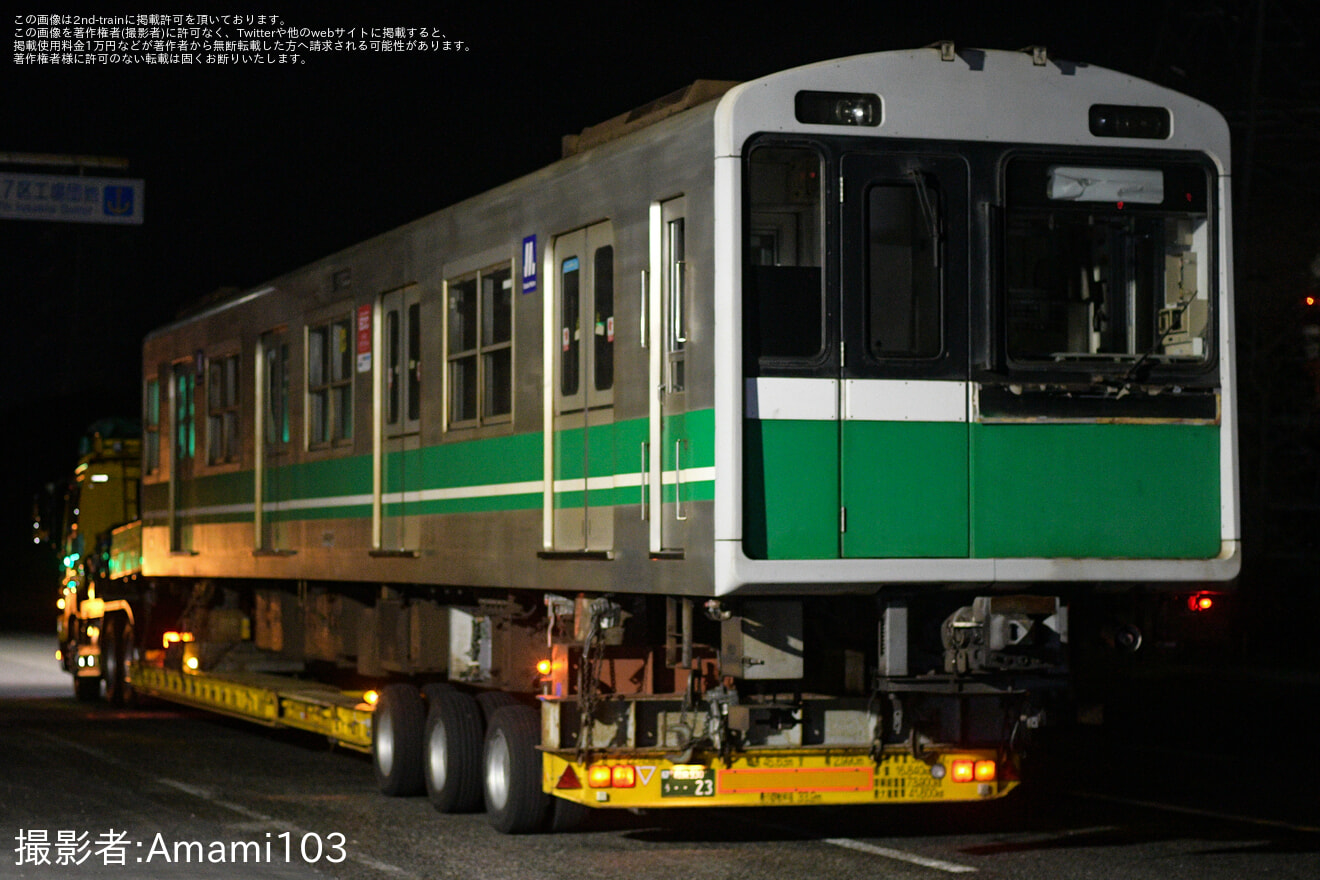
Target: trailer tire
511 771
565 815
118 645
492 702
87 688
396 740
451 751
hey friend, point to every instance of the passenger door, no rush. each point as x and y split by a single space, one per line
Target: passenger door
272 426
670 450
581 325
183 410
399 396
855 431
903 428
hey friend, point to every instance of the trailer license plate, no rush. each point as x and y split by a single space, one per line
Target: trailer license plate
687 780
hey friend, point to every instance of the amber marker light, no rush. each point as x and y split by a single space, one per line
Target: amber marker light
370 697
600 776
543 667
963 770
624 776
984 771
191 663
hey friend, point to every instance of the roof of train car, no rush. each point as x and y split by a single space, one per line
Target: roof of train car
905 74
982 94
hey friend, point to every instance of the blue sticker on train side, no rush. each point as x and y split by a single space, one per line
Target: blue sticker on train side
529 264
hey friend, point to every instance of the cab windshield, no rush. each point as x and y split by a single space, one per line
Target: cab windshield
1107 263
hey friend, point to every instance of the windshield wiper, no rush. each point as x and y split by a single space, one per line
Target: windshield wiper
927 213
1140 369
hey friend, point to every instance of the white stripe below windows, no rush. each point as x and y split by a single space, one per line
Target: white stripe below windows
904 400
874 400
815 400
494 490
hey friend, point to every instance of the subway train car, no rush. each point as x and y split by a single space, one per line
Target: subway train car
770 447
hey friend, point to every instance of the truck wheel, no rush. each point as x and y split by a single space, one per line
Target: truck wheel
565 815
451 751
396 740
492 702
515 803
87 688
117 648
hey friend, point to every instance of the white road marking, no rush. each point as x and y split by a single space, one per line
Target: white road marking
900 855
882 851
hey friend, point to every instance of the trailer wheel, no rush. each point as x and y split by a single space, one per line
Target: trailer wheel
565 815
515 803
396 740
118 648
492 702
451 751
87 688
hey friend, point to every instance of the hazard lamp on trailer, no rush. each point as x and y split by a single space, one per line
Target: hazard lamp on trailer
967 770
606 776
171 637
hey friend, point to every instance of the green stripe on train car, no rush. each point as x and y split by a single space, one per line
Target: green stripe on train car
791 489
322 489
1095 491
904 486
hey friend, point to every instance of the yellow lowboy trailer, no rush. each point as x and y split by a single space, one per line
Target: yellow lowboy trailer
778 778
643 779
272 700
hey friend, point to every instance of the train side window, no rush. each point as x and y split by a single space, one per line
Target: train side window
222 409
392 367
462 351
570 284
414 382
676 338
497 343
603 273
151 427
903 277
329 383
277 394
479 347
783 290
185 437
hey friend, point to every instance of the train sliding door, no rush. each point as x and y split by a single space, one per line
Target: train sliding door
183 492
670 449
903 431
272 439
856 431
399 396
581 325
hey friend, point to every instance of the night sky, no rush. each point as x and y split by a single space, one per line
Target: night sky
251 172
